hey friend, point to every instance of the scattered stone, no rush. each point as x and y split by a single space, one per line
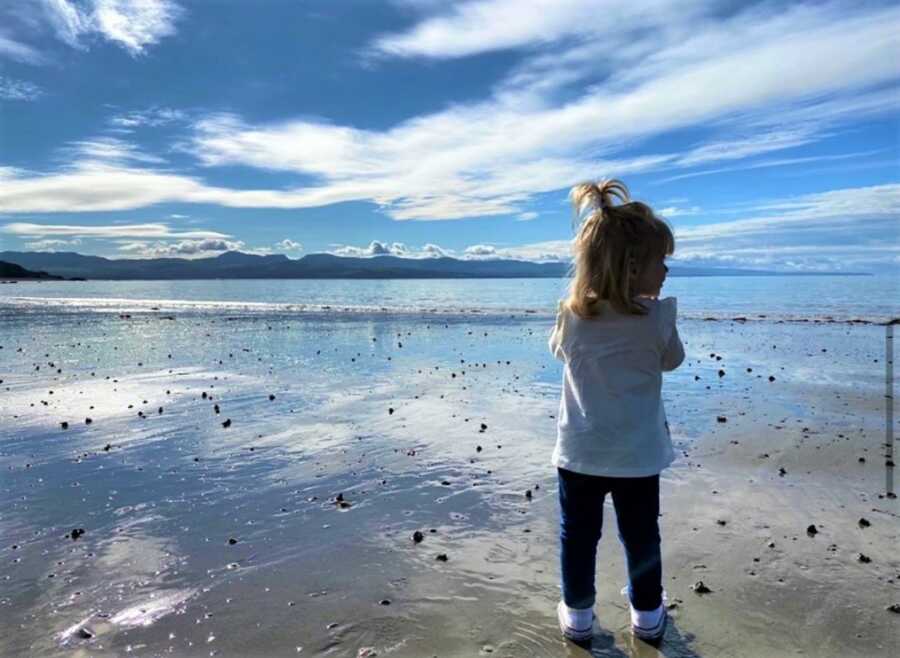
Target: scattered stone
366 652
390 411
477 448
88 421
894 607
64 425
107 447
771 378
721 419
417 536
864 522
812 530
782 472
861 557
700 588
721 521
721 373
271 397
85 633
232 541
483 427
227 423
384 602
441 557
528 494
76 533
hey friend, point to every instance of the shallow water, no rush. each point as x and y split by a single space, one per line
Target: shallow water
160 486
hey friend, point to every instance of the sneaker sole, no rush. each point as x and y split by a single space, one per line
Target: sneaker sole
573 633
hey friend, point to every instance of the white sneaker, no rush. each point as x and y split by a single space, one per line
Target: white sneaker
573 628
647 624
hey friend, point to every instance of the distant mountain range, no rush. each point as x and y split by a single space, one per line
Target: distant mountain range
13 271
238 265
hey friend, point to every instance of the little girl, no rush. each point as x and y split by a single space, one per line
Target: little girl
615 337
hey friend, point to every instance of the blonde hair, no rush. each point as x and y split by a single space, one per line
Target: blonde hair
609 240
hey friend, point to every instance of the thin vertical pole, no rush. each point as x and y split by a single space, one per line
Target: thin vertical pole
889 408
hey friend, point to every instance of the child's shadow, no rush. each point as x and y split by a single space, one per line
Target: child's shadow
674 644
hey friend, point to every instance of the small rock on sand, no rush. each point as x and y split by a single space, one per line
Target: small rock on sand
417 536
812 530
700 588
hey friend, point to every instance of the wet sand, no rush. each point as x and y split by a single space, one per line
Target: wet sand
292 531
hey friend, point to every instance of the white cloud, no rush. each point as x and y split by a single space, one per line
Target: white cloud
18 90
375 248
849 229
481 250
288 245
771 162
108 151
152 117
488 25
491 157
19 51
676 211
132 24
526 216
110 231
433 250
52 245
182 248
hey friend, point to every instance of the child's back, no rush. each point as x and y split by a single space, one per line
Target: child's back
611 416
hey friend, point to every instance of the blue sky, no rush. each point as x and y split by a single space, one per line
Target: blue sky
766 133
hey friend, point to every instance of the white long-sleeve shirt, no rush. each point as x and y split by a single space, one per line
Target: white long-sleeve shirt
611 418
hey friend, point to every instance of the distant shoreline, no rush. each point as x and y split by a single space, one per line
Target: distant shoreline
414 278
242 266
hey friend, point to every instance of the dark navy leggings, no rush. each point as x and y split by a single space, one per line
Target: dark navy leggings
636 501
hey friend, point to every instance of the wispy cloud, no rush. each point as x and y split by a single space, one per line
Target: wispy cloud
18 90
772 162
52 245
151 117
837 230
131 24
18 51
160 230
701 68
480 26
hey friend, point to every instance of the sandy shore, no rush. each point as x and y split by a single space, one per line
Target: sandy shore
438 428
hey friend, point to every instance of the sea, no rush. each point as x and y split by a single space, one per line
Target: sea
873 298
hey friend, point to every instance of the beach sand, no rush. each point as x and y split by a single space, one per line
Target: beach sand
291 531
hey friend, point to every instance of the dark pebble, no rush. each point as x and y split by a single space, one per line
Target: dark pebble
417 536
700 588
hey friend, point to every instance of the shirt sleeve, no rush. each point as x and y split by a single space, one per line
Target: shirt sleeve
556 336
673 350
